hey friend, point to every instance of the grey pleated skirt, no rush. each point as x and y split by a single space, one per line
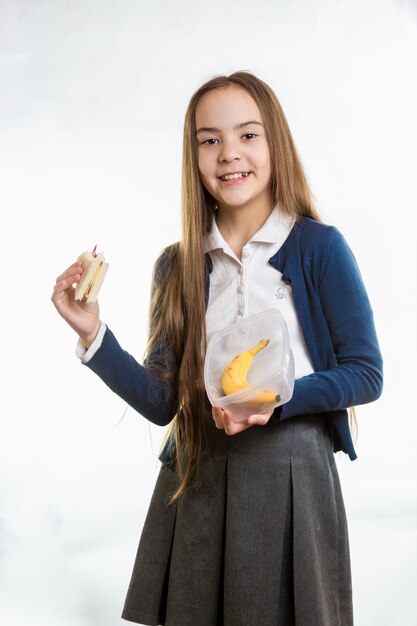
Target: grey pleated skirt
260 541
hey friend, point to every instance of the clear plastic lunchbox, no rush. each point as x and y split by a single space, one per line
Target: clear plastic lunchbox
256 383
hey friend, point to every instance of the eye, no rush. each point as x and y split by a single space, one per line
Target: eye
209 142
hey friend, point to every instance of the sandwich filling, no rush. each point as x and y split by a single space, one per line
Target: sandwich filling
90 284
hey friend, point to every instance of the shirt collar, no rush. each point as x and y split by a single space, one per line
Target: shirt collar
277 224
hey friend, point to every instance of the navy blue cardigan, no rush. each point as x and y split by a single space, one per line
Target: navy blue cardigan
338 327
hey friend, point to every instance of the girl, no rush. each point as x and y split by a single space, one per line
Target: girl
246 525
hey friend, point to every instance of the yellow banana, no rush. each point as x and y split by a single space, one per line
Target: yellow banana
235 372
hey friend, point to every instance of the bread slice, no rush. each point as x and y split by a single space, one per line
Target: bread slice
94 271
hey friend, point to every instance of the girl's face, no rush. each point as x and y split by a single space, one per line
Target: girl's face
231 140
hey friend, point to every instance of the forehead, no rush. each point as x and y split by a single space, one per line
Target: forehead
226 107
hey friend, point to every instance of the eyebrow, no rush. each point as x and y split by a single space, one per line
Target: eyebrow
217 130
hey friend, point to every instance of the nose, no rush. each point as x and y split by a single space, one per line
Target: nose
228 151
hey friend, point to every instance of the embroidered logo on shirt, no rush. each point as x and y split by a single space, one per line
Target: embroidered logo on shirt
280 293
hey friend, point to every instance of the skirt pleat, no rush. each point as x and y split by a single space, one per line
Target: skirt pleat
261 539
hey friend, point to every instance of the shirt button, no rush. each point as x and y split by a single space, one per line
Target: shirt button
245 255
241 310
240 270
240 289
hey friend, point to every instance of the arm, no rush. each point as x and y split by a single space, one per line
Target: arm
356 376
137 384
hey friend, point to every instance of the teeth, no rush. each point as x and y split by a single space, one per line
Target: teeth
232 176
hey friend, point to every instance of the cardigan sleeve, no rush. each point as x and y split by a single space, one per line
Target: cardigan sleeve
137 384
356 377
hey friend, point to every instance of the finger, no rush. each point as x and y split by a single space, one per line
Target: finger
63 291
217 413
231 427
70 273
65 283
75 268
260 418
257 419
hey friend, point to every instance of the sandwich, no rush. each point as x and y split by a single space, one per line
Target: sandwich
94 271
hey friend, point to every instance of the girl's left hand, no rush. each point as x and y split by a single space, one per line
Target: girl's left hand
223 420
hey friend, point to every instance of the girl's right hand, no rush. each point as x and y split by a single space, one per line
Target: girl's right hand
82 317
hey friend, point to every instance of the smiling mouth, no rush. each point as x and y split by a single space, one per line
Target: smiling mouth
235 176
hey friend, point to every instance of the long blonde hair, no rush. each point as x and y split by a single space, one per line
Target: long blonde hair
177 311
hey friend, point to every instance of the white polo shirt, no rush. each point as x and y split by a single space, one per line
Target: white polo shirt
242 288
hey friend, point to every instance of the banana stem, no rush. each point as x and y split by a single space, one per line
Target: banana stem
259 346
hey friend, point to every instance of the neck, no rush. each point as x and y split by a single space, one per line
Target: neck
241 223
237 225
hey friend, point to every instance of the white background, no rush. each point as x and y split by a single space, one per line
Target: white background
93 96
